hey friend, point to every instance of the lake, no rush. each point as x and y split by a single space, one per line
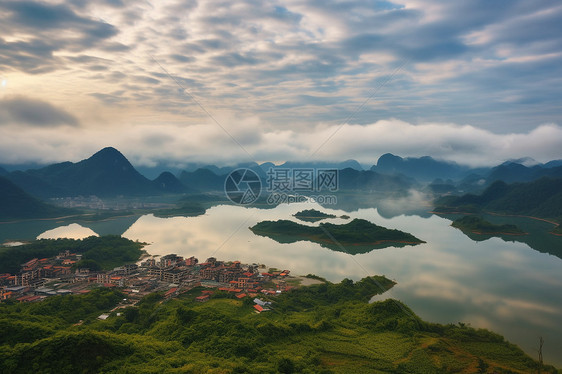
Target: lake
504 286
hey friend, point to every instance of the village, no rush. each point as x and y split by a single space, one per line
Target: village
171 274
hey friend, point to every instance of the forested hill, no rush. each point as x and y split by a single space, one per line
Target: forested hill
325 328
16 204
541 198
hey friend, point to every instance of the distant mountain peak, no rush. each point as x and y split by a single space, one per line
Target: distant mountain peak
107 153
525 161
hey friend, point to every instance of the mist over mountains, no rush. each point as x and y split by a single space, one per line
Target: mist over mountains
108 173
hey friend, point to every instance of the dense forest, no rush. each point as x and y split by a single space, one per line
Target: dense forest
479 225
540 198
325 328
357 236
98 253
312 215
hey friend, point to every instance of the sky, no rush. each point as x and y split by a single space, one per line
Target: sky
477 82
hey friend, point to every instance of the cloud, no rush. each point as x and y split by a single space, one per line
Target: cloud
179 144
24 111
33 31
301 68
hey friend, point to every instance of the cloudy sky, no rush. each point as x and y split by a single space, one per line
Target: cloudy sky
474 81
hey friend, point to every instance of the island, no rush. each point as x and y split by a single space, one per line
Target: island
312 215
478 225
355 237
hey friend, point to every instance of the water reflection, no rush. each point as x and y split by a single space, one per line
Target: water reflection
503 286
72 231
29 230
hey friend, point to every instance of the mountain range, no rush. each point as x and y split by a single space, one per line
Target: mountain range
108 173
540 198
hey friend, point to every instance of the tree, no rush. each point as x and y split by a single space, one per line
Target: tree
286 366
482 366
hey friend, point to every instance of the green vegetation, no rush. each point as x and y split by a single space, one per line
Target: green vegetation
357 236
478 225
314 276
105 252
312 215
16 204
541 198
186 209
326 328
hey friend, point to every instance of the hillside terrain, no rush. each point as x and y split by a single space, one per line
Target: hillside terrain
541 198
16 204
324 328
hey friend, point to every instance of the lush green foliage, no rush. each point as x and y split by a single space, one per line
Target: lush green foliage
541 198
105 252
357 236
480 225
312 215
326 328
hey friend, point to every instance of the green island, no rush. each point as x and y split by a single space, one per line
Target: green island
357 236
478 225
98 253
312 215
322 328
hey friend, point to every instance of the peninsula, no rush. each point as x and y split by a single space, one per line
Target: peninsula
478 225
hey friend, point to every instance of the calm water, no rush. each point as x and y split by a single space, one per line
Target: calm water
506 287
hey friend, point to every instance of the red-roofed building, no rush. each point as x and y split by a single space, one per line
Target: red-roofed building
260 308
171 292
6 295
202 298
241 295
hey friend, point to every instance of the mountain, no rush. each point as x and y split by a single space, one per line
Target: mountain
35 185
368 180
553 163
167 182
424 169
106 173
16 204
202 180
540 198
511 172
352 164
3 171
